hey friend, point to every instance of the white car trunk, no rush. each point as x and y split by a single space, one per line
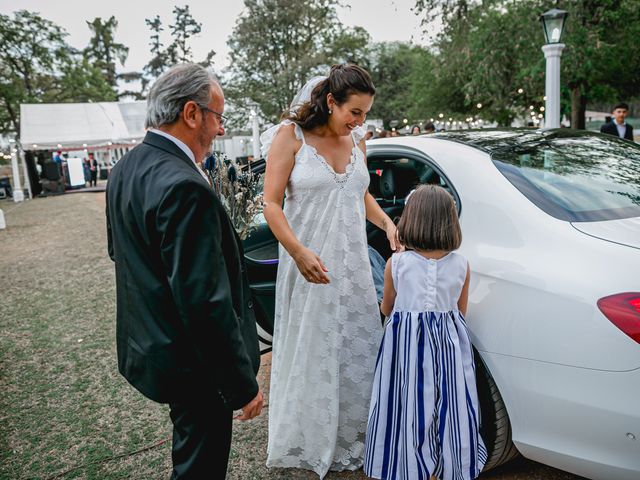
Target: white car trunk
624 232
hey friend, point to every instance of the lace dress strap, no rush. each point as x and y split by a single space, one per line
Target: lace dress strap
266 139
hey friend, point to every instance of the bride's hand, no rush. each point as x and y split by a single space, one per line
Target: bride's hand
311 267
393 238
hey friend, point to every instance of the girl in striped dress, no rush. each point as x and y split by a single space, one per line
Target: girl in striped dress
424 418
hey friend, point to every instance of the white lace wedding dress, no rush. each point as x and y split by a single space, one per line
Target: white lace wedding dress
326 337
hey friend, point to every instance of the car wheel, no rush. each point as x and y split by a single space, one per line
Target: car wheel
495 427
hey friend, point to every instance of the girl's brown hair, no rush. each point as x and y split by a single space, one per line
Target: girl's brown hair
343 80
430 220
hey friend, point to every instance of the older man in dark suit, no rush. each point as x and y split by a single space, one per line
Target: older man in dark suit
618 126
186 331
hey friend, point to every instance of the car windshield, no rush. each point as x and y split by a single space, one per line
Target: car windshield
577 179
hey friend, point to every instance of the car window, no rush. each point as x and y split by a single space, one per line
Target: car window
579 179
405 173
392 178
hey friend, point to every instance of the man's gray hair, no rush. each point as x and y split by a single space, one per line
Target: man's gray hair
174 88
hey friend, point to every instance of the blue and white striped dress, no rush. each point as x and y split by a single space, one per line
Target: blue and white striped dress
424 417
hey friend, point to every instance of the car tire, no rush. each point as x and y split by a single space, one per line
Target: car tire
495 427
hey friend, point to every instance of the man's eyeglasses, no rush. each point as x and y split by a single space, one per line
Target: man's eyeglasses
221 118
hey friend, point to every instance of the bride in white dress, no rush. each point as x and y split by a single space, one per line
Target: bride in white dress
327 323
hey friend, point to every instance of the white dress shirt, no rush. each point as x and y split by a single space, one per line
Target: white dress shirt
622 128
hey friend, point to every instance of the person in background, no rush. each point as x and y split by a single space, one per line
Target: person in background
415 130
429 128
368 135
86 171
93 170
618 125
57 158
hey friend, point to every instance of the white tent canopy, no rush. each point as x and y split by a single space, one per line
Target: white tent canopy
48 126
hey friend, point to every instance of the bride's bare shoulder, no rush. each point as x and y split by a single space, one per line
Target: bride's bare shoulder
289 131
287 138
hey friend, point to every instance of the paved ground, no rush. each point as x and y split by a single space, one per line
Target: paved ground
64 410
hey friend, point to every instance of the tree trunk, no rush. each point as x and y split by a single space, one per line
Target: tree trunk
578 108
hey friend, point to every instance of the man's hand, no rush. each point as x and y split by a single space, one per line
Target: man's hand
251 409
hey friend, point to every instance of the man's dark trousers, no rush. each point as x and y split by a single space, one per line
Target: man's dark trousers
201 439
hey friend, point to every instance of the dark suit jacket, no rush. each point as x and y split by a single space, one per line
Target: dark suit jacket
611 129
185 323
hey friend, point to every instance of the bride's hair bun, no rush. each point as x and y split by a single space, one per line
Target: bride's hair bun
344 80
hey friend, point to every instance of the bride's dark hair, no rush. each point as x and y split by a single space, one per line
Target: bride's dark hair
343 80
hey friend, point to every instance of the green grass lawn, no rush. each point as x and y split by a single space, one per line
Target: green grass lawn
63 404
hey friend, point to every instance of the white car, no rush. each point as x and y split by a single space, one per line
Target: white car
551 229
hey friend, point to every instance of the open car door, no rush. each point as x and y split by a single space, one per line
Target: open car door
261 258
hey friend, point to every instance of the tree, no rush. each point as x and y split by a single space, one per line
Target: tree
160 59
30 49
503 67
103 50
158 62
401 72
488 50
81 82
448 11
183 28
37 65
600 62
277 45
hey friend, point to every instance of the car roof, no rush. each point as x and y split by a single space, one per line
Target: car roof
494 139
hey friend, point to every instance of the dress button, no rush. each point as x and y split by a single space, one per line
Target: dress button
250 304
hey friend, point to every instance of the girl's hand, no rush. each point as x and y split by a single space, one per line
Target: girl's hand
311 267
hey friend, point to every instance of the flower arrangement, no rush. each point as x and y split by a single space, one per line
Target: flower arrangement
239 190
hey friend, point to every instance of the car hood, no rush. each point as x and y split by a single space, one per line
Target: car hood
625 231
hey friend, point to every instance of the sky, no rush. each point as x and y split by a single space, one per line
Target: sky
385 20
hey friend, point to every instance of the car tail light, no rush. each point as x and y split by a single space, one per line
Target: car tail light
623 310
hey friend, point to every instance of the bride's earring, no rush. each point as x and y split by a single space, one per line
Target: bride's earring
330 111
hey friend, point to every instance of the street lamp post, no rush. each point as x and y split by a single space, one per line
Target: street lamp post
553 25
